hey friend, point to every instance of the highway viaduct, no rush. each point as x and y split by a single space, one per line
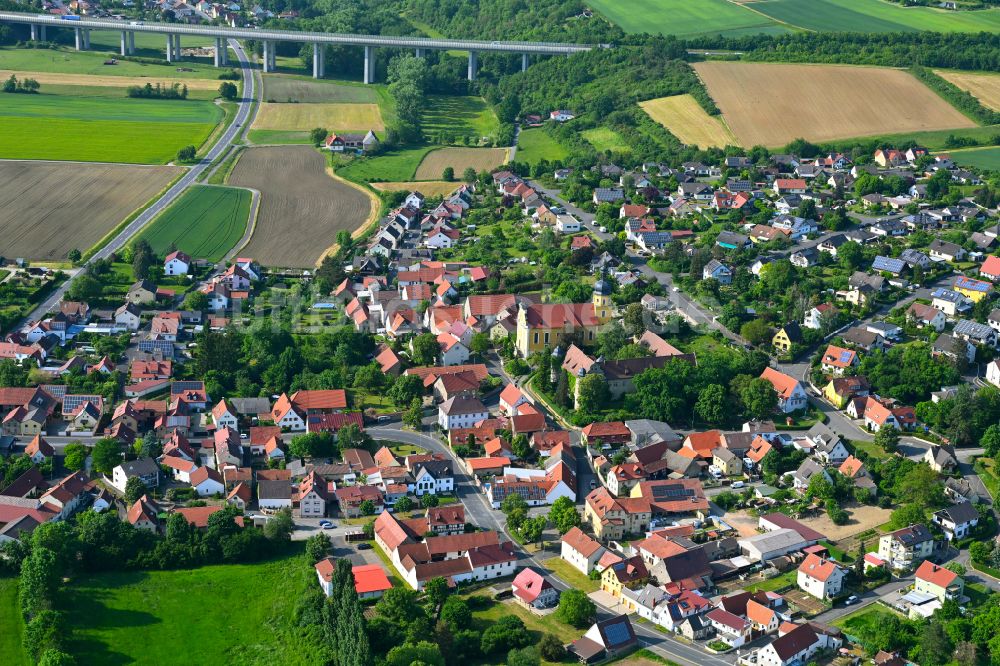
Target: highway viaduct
173 31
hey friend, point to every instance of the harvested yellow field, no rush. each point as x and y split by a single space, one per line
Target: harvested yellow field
304 117
685 119
430 188
772 104
459 159
984 87
56 79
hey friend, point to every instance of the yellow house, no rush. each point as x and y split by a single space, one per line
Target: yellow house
840 390
938 581
628 573
974 290
786 336
727 461
542 325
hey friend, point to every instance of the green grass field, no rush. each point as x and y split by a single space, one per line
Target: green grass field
13 625
459 116
206 222
90 62
277 137
285 88
535 145
605 138
229 614
392 166
686 17
876 16
981 158
102 129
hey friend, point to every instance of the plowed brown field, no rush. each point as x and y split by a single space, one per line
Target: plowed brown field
50 208
301 207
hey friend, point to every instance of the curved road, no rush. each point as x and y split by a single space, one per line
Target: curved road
231 133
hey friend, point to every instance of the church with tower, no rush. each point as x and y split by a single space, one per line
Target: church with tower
541 325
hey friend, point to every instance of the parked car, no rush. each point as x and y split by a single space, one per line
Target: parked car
325 524
737 484
851 600
364 546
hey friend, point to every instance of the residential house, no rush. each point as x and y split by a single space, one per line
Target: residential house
731 629
957 521
820 577
791 396
604 640
145 469
837 360
533 590
581 551
716 270
788 335
938 582
903 548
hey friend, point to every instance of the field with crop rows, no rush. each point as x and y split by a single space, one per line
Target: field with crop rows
48 209
685 119
205 222
302 207
984 87
305 117
280 88
480 159
772 104
875 16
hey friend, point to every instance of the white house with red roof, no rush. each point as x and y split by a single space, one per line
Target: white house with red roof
837 360
991 268
791 396
581 551
938 582
176 263
533 590
820 577
511 398
878 415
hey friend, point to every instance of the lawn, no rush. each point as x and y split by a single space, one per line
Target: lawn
205 222
226 614
393 165
571 575
980 158
778 582
90 62
986 468
605 138
451 117
487 611
863 616
12 623
876 16
535 145
686 18
102 129
277 137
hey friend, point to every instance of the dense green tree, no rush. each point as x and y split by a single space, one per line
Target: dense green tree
563 515
106 455
76 457
711 405
592 393
759 399
317 547
576 608
134 489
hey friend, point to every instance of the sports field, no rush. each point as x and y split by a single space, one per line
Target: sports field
305 117
535 144
457 116
459 159
205 222
227 614
101 129
605 138
686 17
685 119
48 208
772 104
301 207
875 16
281 88
984 87
981 158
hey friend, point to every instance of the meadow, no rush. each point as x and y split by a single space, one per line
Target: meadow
205 222
49 208
305 117
984 87
393 165
13 625
686 18
282 88
535 144
457 116
772 104
67 61
459 159
605 138
876 16
192 616
689 122
980 158
115 128
301 206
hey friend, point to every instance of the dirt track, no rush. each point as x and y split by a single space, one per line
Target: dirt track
50 208
301 207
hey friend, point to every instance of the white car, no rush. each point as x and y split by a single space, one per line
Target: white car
603 230
737 484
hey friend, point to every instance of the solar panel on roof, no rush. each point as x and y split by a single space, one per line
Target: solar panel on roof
178 387
845 357
617 633
71 402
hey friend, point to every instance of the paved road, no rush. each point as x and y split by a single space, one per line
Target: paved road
866 599
235 129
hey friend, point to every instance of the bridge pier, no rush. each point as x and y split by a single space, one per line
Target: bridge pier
524 61
369 64
86 38
268 56
177 47
170 48
220 46
131 42
77 33
420 53
37 32
319 61
473 65
124 43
